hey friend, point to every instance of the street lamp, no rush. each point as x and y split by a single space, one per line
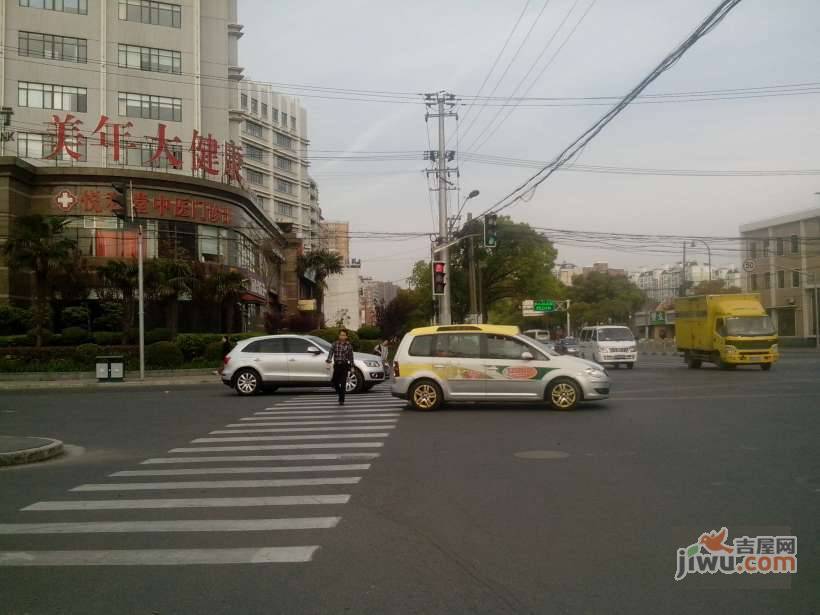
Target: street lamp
473 194
708 251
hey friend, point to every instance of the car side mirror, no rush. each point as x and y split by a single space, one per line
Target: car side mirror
314 350
527 356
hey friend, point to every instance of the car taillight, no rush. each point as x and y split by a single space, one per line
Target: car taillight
396 372
226 360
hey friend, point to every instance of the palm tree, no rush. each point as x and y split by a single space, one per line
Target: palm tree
228 286
119 283
36 243
323 263
165 281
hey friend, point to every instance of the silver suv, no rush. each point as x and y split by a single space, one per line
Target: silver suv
275 361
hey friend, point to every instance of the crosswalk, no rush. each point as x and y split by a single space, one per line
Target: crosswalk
262 506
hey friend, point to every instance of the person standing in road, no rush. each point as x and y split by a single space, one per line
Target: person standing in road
341 357
383 350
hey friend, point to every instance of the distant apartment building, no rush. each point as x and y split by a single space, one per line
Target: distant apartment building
660 284
336 238
565 272
273 131
603 267
375 294
784 257
343 296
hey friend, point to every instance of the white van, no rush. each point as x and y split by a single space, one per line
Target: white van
608 345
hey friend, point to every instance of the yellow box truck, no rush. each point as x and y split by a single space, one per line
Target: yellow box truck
728 330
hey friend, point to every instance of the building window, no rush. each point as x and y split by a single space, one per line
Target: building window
255 130
753 281
284 164
264 111
284 141
46 96
150 59
285 120
255 177
215 244
795 279
150 12
254 106
275 116
38 146
140 154
285 186
765 248
292 123
779 246
150 107
284 209
781 279
64 6
254 153
52 47
752 249
767 280
243 101
795 244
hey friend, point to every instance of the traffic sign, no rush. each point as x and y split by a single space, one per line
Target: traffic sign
545 305
748 265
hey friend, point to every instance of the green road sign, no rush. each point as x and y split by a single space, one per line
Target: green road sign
545 305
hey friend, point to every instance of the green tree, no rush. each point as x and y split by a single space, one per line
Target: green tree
36 243
714 287
118 283
598 298
402 314
228 286
165 281
323 264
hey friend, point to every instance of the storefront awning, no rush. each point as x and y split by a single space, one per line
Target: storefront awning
249 298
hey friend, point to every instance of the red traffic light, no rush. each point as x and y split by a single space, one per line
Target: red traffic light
438 267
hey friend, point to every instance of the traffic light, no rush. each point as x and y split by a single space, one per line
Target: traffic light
120 200
439 277
491 230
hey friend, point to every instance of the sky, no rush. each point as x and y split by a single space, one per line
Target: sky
426 46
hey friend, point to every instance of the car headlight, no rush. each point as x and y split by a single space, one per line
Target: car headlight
775 348
731 350
373 363
631 349
595 374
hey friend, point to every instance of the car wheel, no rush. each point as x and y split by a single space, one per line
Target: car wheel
630 366
355 381
247 382
425 395
765 366
563 394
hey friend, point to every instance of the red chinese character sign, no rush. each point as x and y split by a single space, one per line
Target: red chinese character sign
163 150
67 137
204 154
234 158
118 133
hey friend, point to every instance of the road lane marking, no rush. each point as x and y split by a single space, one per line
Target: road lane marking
281 416
296 429
159 557
188 525
164 503
283 438
276 447
295 423
220 484
246 470
352 404
236 458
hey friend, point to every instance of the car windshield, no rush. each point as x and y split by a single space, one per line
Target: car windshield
569 341
750 325
619 334
546 348
323 344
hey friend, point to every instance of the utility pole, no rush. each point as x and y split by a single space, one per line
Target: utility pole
140 283
683 273
473 289
444 104
568 332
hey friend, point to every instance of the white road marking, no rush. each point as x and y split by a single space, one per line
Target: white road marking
282 438
220 484
152 504
281 416
276 447
333 404
188 525
235 458
295 429
158 557
246 470
295 423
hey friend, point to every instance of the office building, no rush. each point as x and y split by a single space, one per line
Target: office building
336 238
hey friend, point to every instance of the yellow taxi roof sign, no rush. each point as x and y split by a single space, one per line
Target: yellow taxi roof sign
495 329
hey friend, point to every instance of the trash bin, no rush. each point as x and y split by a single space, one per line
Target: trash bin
110 368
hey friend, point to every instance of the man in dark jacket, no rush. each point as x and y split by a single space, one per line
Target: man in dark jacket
341 356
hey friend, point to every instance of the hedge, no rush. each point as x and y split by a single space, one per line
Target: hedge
163 355
14 320
73 336
369 332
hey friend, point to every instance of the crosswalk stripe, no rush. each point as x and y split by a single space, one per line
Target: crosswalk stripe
334 405
278 500
158 557
293 429
220 484
276 447
332 402
281 438
295 423
193 525
326 414
237 458
245 470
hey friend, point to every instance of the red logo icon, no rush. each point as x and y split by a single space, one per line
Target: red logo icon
65 200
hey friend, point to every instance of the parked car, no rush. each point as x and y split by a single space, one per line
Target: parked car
434 365
275 361
613 345
567 346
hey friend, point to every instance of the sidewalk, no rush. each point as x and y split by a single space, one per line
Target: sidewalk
81 380
15 450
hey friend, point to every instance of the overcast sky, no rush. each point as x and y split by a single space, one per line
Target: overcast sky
426 45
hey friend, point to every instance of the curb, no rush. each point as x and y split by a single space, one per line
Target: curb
32 455
45 385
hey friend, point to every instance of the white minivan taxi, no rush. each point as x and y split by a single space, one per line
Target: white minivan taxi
608 345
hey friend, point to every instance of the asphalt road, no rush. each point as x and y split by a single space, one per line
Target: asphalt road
444 514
